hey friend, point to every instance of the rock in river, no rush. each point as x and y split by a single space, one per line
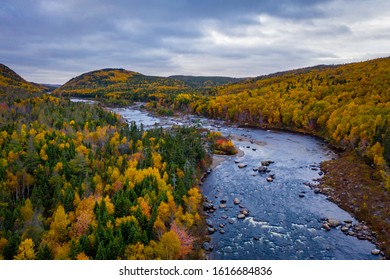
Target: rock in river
266 162
375 252
262 169
333 222
236 201
240 216
326 226
241 165
207 206
222 206
211 230
206 246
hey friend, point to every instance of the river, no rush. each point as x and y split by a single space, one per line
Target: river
285 216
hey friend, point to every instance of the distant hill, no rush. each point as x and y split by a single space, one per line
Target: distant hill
12 83
206 81
121 83
47 87
118 83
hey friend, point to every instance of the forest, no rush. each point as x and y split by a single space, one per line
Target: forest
76 182
348 105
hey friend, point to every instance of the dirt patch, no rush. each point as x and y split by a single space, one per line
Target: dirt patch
350 183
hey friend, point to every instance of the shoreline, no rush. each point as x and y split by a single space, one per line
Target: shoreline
339 193
350 184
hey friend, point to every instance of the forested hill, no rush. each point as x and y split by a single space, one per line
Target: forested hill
347 104
118 83
10 82
206 81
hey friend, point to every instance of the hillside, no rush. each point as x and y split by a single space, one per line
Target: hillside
349 105
12 83
118 83
206 81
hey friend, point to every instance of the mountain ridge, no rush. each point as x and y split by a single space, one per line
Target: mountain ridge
13 83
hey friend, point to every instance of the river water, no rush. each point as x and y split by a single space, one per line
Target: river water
285 216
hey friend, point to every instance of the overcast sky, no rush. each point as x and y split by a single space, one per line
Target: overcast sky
51 41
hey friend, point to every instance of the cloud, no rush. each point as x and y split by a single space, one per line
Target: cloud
53 41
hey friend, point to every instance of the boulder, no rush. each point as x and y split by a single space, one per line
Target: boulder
326 227
207 246
221 231
344 229
240 216
242 165
270 179
236 201
333 222
266 162
262 169
375 252
207 205
224 216
211 230
222 206
361 237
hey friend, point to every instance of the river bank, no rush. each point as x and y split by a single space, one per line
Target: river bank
350 183
303 230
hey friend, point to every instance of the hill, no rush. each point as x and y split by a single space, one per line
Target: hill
12 83
118 83
206 81
349 105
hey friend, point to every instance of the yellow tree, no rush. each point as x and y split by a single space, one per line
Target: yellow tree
26 250
59 226
169 246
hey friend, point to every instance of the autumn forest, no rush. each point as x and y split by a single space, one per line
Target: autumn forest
77 182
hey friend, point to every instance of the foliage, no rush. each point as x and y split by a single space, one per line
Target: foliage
10 82
220 144
349 105
78 183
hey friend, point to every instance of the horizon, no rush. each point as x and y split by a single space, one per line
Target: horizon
51 41
248 77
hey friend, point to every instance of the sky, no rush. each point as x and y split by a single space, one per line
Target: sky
52 41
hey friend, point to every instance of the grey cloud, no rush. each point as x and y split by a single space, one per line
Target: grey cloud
60 39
